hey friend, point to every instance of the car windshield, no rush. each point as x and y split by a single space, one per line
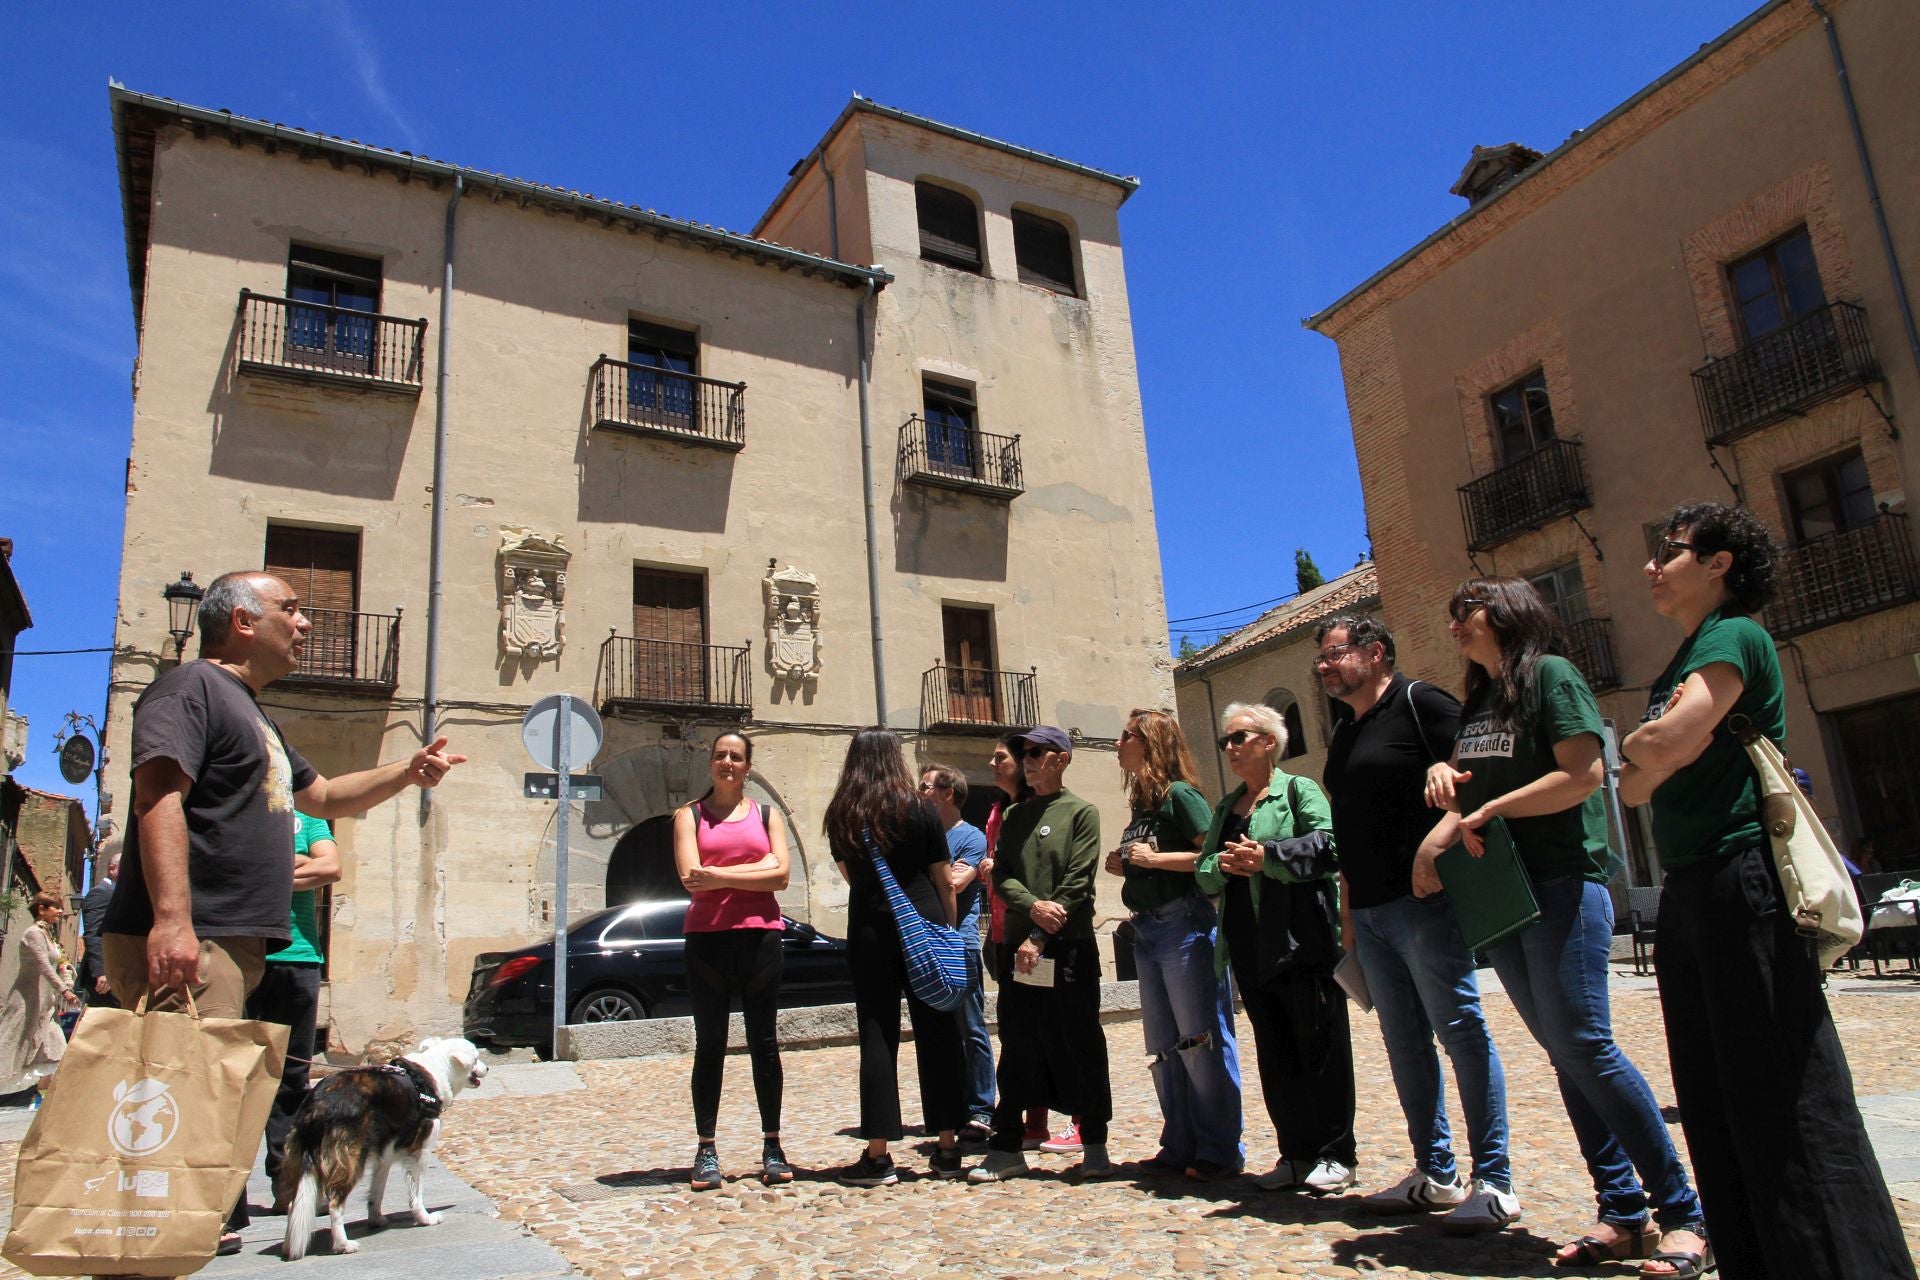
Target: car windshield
644 921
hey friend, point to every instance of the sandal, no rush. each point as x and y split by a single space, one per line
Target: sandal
1686 1264
1591 1251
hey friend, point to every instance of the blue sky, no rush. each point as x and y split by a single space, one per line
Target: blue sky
1286 152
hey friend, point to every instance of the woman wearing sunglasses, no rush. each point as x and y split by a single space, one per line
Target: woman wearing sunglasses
1789 1178
1529 753
1269 854
1186 1013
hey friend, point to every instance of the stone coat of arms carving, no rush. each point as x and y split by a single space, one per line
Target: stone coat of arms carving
533 593
793 623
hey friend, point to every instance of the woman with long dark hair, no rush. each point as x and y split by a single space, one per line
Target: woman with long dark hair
876 811
1186 1013
1787 1173
732 858
1529 754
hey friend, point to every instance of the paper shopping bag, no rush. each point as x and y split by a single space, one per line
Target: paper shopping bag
143 1144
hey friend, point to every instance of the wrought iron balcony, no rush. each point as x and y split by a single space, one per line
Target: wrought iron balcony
974 699
349 650
1590 648
309 342
1550 481
956 457
673 675
1844 575
1819 355
650 401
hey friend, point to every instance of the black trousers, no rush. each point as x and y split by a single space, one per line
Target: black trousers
1306 1060
939 1046
1786 1174
1053 1050
288 994
720 965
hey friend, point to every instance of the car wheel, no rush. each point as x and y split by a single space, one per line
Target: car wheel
607 1004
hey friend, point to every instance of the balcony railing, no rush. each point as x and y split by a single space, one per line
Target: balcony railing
973 698
651 401
1844 575
670 674
349 650
1590 648
1524 495
309 342
1819 355
957 457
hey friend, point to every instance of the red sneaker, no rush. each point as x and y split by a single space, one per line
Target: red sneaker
1064 1143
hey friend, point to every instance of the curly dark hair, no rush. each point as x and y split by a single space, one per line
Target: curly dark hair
1718 527
1527 631
1360 629
875 794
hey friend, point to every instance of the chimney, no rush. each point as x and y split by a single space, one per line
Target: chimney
1491 168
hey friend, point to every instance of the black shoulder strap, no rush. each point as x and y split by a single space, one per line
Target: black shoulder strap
1419 730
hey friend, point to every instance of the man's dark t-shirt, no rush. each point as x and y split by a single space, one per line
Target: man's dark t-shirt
239 810
1376 777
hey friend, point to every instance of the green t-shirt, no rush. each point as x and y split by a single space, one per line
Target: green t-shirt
305 947
1502 758
1175 826
1049 851
1712 806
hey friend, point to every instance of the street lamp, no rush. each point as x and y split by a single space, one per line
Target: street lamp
183 602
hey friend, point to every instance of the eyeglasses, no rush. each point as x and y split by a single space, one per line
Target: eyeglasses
1238 736
1461 610
1334 652
935 786
1034 753
1670 547
1129 734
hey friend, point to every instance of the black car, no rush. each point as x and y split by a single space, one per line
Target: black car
627 962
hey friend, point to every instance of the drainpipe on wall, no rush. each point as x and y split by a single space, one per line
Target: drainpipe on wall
866 497
437 539
1873 187
1213 722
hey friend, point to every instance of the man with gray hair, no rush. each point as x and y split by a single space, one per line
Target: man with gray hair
1416 965
207 866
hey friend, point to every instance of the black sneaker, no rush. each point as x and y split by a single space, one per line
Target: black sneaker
706 1169
945 1163
774 1168
868 1171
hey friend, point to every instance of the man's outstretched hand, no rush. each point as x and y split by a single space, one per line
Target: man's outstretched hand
431 763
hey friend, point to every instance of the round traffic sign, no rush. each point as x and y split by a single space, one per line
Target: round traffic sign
540 730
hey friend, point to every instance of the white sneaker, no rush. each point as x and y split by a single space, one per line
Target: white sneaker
1486 1208
998 1167
1416 1193
1327 1177
1282 1177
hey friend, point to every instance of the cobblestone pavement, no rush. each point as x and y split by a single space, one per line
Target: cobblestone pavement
591 1160
599 1173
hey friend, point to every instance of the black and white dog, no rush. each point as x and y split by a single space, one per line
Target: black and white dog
369 1116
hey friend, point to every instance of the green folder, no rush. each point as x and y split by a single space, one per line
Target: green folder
1491 895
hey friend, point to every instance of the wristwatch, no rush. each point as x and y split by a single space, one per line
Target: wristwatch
1038 936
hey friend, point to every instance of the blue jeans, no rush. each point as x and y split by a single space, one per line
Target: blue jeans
1556 974
1186 1012
973 1035
1422 982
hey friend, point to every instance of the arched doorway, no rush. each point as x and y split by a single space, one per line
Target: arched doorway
641 869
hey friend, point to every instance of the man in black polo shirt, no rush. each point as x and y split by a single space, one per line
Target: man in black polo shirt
1416 965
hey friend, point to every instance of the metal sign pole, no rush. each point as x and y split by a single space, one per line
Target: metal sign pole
563 765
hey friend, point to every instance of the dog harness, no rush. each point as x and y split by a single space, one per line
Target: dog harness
415 1075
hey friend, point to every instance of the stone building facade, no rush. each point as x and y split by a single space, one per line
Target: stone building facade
1691 299
699 478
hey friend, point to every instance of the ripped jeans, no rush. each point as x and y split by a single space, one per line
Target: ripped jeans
1186 1014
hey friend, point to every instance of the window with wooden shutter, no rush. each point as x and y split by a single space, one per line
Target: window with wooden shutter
337 330
1043 250
670 635
323 568
971 688
949 226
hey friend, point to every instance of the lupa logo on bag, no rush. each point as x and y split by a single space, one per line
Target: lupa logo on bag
144 1118
142 1182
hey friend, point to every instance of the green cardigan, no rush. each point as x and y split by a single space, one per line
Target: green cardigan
1272 818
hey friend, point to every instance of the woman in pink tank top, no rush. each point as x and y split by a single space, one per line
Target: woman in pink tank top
732 858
